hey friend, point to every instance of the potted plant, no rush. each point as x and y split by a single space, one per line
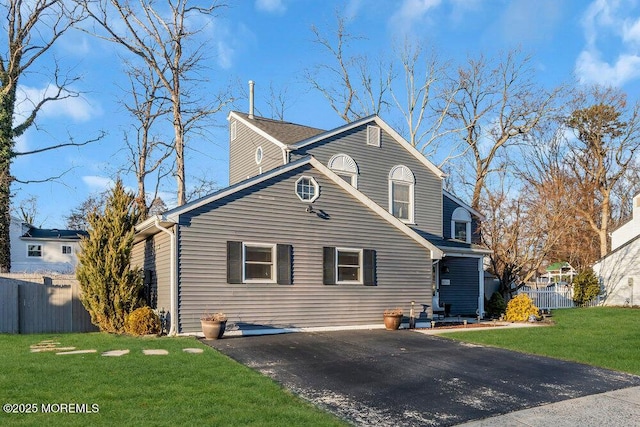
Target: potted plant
392 318
213 325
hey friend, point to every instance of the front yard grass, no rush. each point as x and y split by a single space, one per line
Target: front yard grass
137 389
608 337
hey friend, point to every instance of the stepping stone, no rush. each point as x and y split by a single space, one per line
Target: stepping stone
193 350
115 353
155 352
78 352
42 349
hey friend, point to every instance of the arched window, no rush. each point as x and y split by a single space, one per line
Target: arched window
345 167
401 193
461 225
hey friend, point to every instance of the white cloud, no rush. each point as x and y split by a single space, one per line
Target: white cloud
591 69
411 12
631 31
271 6
609 28
77 108
97 184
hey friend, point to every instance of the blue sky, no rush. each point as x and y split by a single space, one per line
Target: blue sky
270 42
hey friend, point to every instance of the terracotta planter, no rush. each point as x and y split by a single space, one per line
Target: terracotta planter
392 321
213 329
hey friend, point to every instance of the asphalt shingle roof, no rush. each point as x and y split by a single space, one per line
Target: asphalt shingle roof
285 132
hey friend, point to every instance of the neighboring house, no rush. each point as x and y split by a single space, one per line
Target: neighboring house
39 250
619 270
317 228
557 273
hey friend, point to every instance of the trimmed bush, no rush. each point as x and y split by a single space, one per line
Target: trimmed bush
520 308
496 305
586 287
142 321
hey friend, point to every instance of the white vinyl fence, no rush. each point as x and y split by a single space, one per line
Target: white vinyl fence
554 297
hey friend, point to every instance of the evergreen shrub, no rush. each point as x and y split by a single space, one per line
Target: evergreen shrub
586 287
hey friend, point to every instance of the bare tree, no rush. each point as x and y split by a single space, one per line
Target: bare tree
347 81
497 106
523 228
27 210
424 99
172 49
78 218
32 28
148 152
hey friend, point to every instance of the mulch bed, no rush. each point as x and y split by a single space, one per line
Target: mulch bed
461 325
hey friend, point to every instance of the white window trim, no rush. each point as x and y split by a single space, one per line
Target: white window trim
360 280
62 249
261 157
315 186
41 250
463 216
353 171
274 260
412 183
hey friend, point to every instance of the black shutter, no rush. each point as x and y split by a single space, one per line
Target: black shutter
369 267
329 265
234 262
284 253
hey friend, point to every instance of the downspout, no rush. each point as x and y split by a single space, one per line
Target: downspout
172 280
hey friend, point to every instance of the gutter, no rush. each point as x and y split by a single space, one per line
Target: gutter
172 281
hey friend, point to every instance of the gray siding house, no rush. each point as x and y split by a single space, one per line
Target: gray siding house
317 229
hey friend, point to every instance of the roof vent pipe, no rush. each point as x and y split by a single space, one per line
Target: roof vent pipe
251 83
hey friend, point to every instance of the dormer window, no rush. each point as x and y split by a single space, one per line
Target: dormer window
345 167
461 225
401 193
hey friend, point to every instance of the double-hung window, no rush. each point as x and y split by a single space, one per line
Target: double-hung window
34 251
259 263
349 265
461 225
401 193
343 266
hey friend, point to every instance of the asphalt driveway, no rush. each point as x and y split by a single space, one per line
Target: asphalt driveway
391 378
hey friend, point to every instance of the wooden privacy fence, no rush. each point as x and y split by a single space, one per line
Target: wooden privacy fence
554 297
31 303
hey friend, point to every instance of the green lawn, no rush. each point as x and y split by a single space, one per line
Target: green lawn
600 336
135 389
